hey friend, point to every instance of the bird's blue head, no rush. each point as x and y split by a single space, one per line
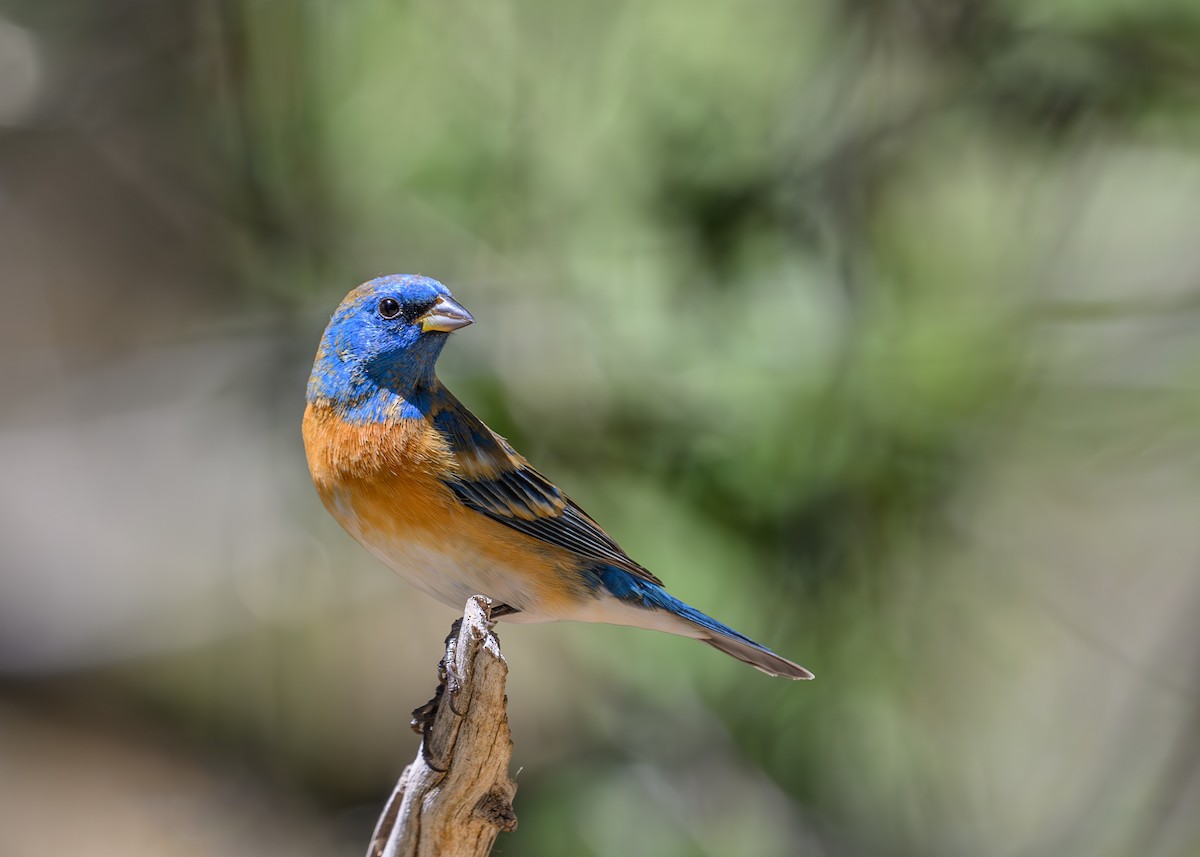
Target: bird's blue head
378 353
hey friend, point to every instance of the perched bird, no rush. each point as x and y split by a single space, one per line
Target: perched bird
446 502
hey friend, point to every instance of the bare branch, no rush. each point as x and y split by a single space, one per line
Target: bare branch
456 795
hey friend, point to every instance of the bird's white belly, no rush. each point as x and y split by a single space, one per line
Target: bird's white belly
453 578
452 573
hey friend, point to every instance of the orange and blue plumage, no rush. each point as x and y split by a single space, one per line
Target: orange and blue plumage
446 502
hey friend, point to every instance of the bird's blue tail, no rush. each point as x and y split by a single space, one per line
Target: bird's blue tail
642 593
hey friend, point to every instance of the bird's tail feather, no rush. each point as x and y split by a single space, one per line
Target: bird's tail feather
699 625
725 639
758 657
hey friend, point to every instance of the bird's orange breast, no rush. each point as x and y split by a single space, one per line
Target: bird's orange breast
385 484
389 470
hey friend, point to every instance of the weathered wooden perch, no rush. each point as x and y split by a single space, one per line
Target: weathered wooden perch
456 795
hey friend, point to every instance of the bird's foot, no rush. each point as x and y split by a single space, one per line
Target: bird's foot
499 611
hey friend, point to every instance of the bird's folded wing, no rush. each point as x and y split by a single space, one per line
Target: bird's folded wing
493 479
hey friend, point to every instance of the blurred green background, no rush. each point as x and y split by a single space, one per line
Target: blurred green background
870 326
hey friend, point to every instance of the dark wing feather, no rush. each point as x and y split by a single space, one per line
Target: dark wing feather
495 481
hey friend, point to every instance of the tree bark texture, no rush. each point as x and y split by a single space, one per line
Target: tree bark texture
456 795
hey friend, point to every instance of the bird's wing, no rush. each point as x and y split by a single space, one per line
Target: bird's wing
495 480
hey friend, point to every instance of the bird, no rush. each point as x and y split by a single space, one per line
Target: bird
447 503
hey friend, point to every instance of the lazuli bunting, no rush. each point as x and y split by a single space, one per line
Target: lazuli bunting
446 502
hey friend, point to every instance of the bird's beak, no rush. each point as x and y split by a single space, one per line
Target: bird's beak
446 315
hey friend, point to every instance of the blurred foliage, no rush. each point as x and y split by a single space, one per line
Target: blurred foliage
868 325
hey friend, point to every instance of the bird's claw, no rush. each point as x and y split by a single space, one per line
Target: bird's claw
499 611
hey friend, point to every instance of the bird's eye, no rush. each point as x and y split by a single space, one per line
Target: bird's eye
389 307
